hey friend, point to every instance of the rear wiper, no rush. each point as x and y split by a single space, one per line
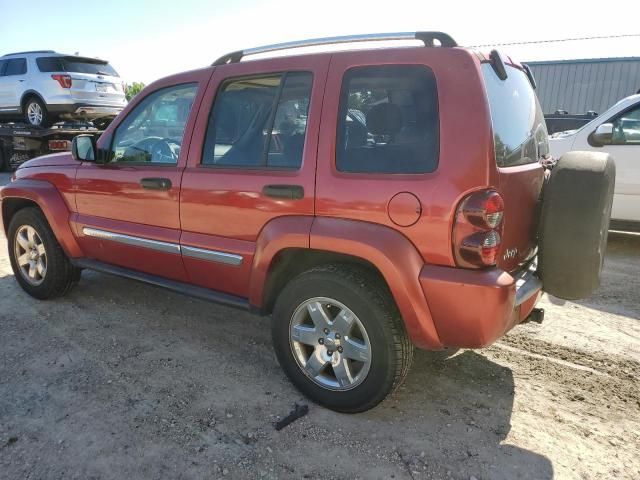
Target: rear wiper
99 72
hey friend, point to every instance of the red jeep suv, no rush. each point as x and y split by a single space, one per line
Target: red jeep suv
369 201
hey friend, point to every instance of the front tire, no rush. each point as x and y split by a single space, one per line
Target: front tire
39 264
339 337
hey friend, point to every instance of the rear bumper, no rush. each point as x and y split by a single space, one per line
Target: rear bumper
85 111
473 308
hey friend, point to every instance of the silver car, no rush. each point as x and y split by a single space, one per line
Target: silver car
42 86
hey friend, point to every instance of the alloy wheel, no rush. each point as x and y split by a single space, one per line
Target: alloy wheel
330 344
34 113
30 255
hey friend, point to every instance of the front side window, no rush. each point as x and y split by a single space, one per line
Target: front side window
153 131
626 128
519 130
259 122
388 120
15 66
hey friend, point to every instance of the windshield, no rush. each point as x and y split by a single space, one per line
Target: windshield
519 129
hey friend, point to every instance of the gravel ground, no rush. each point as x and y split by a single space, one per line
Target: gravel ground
124 380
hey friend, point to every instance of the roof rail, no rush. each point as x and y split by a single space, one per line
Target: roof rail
428 38
30 51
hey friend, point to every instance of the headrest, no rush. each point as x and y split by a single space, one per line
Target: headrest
384 119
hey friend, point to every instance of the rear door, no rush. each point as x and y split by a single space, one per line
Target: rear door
252 160
128 208
520 142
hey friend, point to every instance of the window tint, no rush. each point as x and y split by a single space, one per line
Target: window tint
153 131
87 65
626 128
259 122
49 64
519 129
3 63
16 66
388 120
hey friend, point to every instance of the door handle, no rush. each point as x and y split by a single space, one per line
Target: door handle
155 183
290 192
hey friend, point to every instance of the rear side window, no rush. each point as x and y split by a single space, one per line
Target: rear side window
15 66
259 122
49 64
519 130
388 120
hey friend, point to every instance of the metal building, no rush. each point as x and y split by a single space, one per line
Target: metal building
578 86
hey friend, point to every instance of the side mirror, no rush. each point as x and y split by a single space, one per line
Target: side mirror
603 135
83 148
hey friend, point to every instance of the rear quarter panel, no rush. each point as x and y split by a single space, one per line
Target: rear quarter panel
465 147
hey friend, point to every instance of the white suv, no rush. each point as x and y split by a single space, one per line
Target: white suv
43 85
617 132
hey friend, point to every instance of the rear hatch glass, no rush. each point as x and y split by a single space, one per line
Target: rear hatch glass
71 64
520 140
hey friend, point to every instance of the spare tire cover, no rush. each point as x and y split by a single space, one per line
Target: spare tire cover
574 223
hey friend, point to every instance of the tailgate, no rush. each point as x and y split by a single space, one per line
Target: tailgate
97 89
520 142
520 189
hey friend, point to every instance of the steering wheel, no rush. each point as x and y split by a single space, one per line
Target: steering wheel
158 149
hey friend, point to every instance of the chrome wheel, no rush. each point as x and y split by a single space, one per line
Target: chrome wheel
34 113
30 255
330 344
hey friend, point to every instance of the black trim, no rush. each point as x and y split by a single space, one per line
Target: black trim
498 64
624 225
173 285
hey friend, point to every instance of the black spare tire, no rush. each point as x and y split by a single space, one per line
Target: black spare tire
574 223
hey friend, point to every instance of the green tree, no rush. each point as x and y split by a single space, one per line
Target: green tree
133 89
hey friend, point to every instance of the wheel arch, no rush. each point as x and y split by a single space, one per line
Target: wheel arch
290 245
24 193
28 94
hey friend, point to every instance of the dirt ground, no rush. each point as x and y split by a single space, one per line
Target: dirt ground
123 380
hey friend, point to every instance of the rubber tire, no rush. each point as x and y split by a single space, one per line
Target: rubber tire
574 224
367 296
4 162
61 275
45 113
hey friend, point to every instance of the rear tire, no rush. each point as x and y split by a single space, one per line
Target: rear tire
35 112
574 224
39 264
4 163
348 295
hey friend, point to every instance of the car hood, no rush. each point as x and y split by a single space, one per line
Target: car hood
52 160
566 133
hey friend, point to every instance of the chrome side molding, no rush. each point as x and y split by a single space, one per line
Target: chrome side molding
211 255
166 247
134 241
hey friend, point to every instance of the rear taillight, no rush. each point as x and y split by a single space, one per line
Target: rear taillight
59 145
63 80
477 229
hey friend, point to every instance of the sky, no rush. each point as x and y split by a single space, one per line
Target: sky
146 40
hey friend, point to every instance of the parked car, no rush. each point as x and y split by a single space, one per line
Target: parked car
561 120
369 201
617 132
42 86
